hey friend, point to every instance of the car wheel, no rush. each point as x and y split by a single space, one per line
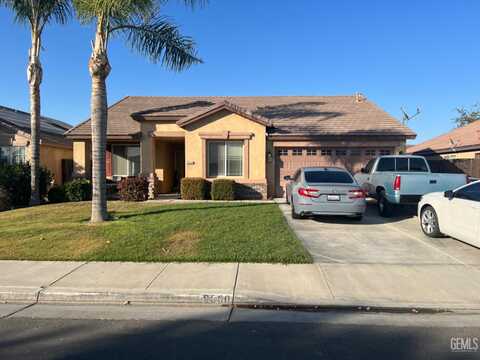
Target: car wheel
429 222
384 207
294 214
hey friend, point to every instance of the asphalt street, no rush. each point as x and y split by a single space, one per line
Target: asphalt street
98 333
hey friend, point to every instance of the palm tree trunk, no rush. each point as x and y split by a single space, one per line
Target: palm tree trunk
34 75
99 68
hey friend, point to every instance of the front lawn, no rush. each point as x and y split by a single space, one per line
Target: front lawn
211 232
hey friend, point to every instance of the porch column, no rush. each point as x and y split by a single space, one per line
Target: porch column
147 148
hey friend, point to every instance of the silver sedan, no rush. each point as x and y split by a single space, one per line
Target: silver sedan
324 191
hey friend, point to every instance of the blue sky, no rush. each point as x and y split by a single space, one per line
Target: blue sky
398 53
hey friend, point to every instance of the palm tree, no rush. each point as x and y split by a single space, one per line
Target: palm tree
37 14
138 23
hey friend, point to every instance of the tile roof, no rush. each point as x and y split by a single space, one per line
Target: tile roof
289 115
464 138
51 130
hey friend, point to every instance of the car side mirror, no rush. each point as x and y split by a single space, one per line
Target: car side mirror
449 194
363 171
288 178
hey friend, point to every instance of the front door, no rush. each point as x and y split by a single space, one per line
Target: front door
179 165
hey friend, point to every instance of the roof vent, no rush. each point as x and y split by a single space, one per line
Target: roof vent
359 97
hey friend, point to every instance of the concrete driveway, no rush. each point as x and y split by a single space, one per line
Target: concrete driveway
376 240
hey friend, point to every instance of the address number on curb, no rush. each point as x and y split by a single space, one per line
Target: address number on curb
216 299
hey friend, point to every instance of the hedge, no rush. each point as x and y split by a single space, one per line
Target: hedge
223 189
4 200
133 189
194 189
15 179
57 194
78 190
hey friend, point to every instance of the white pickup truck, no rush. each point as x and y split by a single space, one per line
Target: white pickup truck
404 179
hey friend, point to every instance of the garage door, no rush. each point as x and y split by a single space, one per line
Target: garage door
288 160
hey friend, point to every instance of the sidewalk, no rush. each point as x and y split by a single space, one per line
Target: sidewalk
330 285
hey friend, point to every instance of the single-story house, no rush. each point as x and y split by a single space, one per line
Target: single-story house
460 146
460 143
255 140
56 151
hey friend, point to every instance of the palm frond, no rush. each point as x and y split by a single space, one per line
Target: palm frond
88 10
160 40
39 12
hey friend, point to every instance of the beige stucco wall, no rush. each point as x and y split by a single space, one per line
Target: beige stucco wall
152 146
150 138
221 122
82 154
51 158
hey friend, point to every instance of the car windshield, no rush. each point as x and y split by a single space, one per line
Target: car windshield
328 176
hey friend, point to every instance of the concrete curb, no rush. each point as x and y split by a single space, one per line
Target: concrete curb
86 297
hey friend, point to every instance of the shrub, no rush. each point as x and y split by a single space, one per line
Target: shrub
223 189
194 188
57 195
78 190
15 179
4 200
133 189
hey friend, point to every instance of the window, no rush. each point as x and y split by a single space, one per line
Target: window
355 152
386 164
384 152
225 158
402 164
297 152
328 176
326 152
470 192
441 166
311 152
12 154
282 152
125 160
418 165
341 152
370 152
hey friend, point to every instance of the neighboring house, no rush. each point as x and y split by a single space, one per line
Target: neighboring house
460 146
55 149
460 143
255 140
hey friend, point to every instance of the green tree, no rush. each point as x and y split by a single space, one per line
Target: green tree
467 116
36 14
138 23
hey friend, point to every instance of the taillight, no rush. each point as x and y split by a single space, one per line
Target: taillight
308 192
397 183
356 194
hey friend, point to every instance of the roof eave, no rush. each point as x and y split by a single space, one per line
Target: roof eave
135 136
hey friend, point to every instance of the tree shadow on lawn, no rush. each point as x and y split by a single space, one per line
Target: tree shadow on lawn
178 208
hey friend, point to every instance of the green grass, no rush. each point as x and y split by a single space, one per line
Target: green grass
211 232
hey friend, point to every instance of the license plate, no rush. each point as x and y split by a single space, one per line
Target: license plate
333 197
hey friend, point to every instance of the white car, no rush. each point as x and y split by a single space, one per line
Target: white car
454 213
